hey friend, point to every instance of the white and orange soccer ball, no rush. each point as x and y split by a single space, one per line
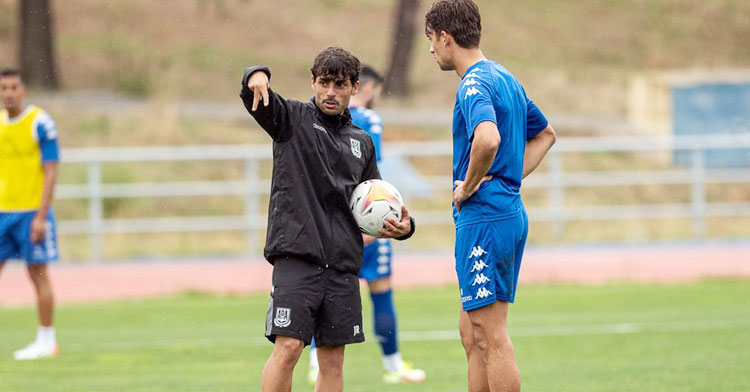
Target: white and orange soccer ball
374 201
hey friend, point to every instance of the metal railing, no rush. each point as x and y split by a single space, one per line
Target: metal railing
255 184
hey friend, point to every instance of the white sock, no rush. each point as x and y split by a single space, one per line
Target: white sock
46 335
314 359
393 362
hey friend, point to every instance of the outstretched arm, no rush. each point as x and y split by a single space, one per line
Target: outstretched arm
536 149
269 109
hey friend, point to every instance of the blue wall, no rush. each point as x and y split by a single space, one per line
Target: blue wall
710 109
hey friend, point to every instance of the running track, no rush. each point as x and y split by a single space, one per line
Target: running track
89 282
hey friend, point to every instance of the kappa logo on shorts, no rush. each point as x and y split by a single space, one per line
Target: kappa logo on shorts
356 330
356 151
477 251
480 278
464 298
483 293
478 266
283 317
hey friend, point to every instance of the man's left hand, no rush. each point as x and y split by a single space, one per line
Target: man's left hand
38 229
460 193
396 229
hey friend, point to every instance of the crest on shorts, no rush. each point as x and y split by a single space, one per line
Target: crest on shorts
355 147
283 317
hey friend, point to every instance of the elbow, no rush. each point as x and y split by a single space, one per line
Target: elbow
550 135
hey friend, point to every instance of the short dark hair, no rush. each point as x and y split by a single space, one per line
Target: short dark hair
459 18
369 73
336 61
8 72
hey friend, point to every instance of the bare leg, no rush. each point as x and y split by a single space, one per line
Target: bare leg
277 374
379 285
45 298
331 360
491 336
477 368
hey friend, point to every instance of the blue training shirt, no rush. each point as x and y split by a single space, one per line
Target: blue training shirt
489 92
371 123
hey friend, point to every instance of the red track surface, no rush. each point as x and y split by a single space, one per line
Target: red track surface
76 283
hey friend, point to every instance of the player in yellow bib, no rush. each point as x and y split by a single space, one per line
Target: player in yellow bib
29 155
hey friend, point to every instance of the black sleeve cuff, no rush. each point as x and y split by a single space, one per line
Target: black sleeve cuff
411 233
249 71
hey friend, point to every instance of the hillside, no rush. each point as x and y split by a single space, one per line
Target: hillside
573 56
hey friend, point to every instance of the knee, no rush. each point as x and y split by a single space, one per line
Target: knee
486 339
38 276
288 350
331 361
467 340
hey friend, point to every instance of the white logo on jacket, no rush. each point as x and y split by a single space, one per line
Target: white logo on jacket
319 128
356 151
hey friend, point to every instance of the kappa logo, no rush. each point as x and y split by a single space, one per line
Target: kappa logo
470 82
356 151
472 91
464 298
480 279
473 74
478 266
319 128
283 317
477 251
483 293
356 330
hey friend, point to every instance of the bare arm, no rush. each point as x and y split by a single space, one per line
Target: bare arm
38 223
483 150
536 148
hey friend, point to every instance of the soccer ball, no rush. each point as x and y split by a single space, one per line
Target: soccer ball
374 201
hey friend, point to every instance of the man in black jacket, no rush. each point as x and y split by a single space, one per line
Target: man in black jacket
313 242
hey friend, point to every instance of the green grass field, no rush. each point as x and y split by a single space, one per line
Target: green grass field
624 337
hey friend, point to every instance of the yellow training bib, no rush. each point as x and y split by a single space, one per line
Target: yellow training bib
21 172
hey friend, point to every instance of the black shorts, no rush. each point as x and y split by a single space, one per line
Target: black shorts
308 300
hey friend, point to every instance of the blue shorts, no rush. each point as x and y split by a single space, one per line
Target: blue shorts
488 259
15 238
376 260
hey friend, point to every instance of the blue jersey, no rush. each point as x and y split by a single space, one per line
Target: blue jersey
489 92
371 123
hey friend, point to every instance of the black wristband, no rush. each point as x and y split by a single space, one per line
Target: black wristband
411 232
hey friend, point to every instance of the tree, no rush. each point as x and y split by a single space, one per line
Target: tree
398 81
36 45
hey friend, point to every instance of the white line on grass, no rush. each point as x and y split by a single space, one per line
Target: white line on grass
584 329
421 336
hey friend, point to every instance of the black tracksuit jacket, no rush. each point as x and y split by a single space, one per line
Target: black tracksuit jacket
317 161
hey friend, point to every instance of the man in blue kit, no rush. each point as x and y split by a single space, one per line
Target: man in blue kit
376 261
499 137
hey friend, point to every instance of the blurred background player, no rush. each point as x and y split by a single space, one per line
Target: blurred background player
376 261
29 155
499 137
